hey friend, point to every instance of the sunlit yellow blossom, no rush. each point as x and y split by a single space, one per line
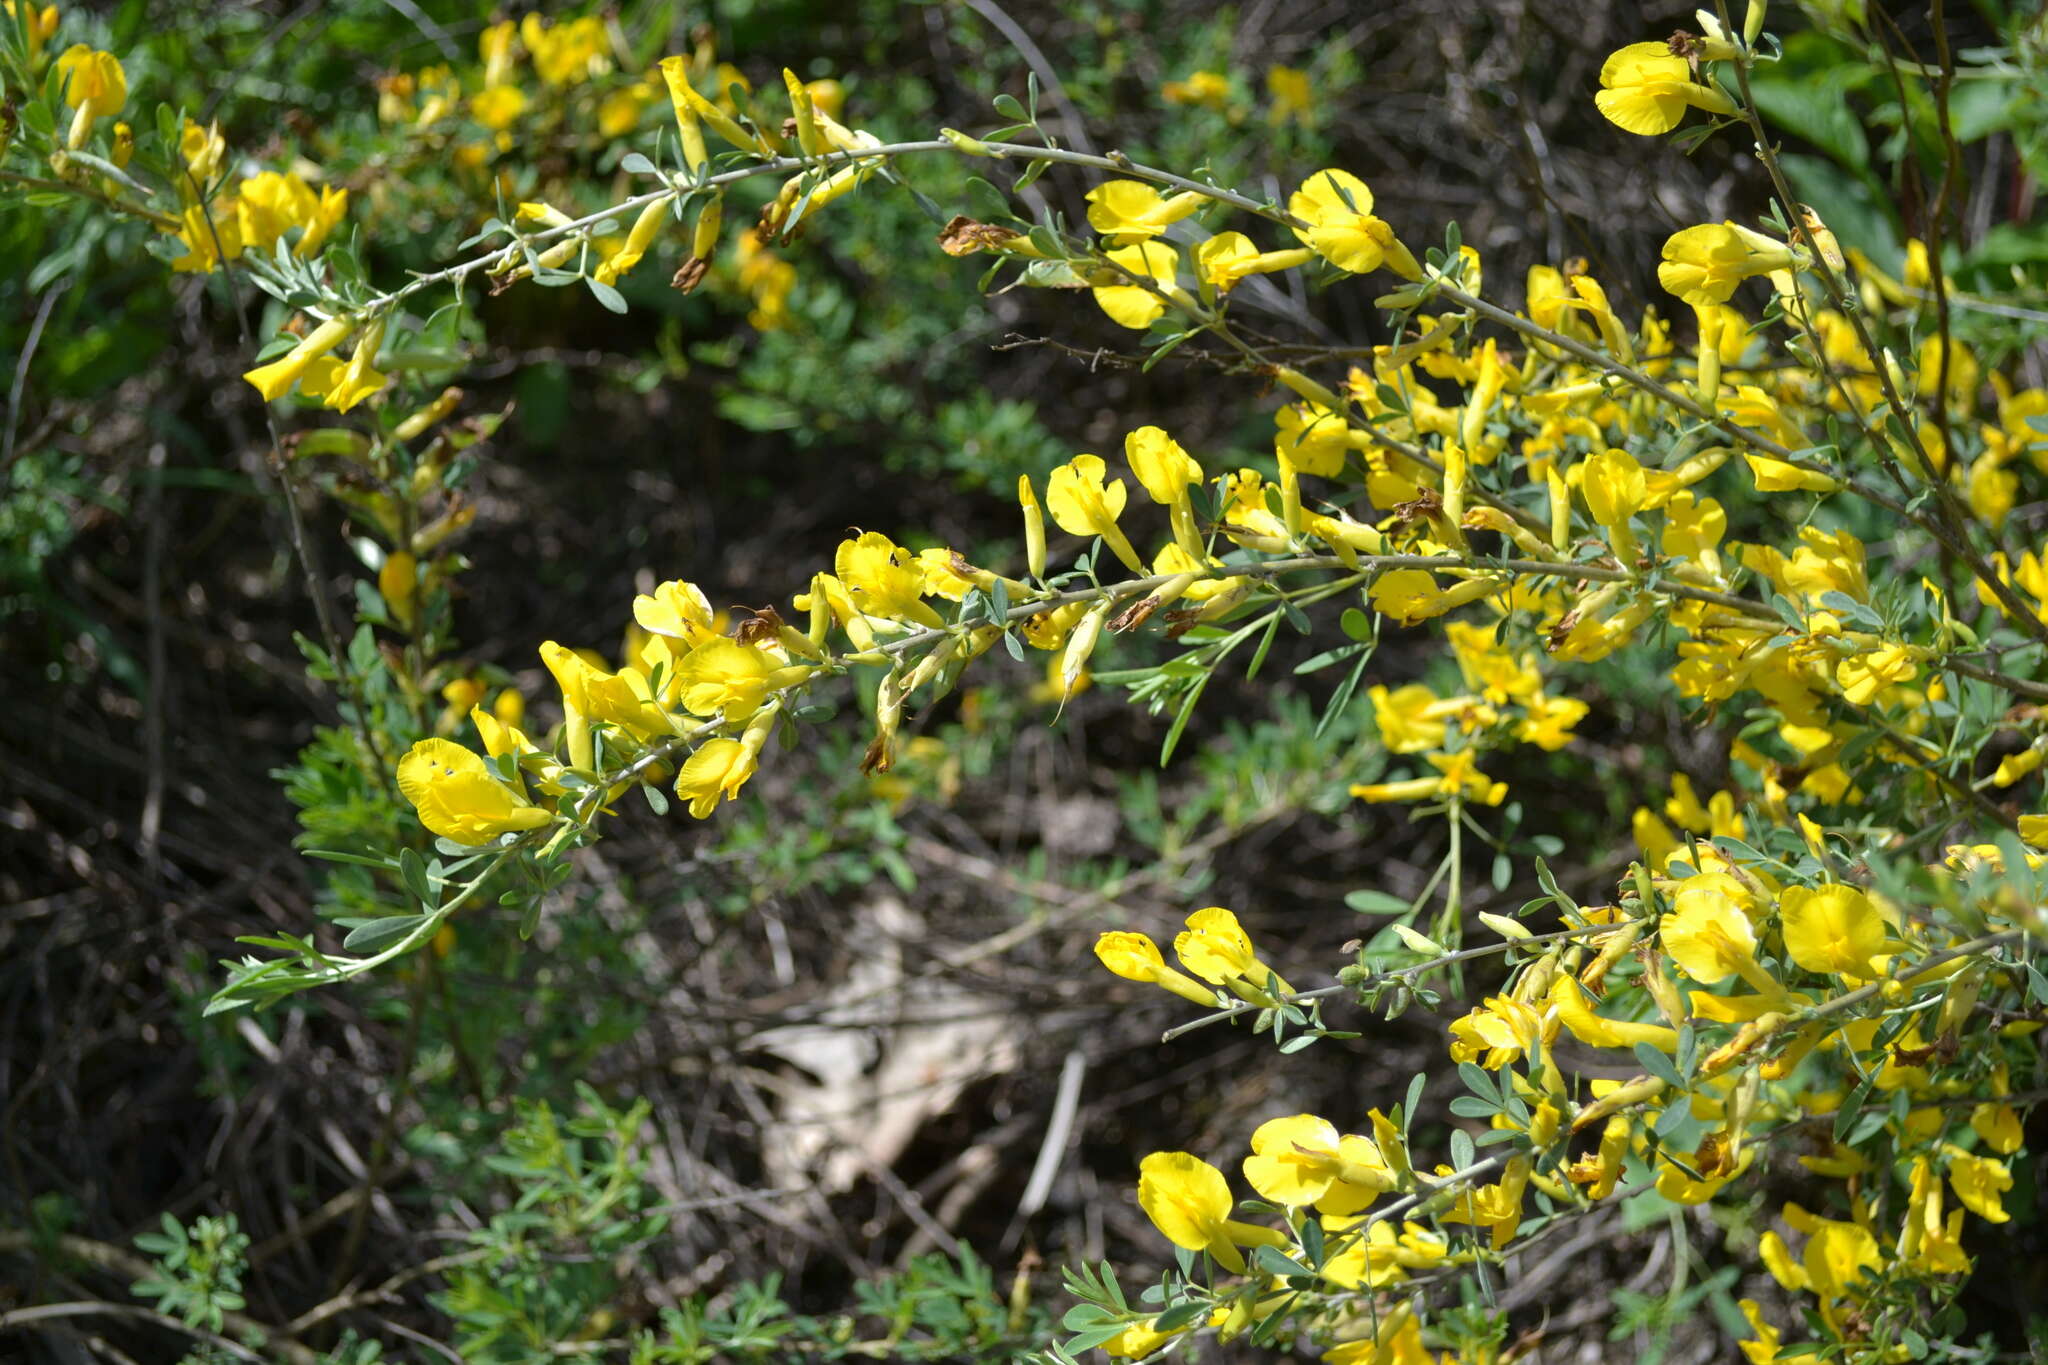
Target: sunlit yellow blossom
1189 1201
1548 724
1216 948
565 53
1304 1160
95 87
1083 504
1832 929
1231 257
498 107
1131 211
1596 1031
1134 305
1862 676
460 796
678 611
342 385
714 773
1703 264
624 698
1707 934
1979 1182
1646 89
883 578
1410 719
274 380
1341 229
1293 96
725 677
1210 89
1135 957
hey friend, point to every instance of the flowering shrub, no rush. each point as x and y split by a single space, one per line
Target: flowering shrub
1791 489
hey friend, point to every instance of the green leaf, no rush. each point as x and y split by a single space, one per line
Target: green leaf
1375 903
413 870
606 295
379 934
1658 1065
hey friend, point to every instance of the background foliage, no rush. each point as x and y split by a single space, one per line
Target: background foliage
520 1145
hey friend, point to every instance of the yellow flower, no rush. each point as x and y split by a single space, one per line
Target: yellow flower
1342 229
1410 719
1836 1252
1979 1182
459 796
619 263
619 112
715 772
1312 438
1189 1201
1834 929
1779 476
498 107
725 677
1501 1032
1082 504
1217 949
1229 257
94 85
1703 264
1139 1340
1130 211
40 23
1645 89
1133 305
1166 472
1303 1160
678 611
884 579
567 52
342 386
1549 722
1596 1031
625 698
274 380
1210 89
1707 934
1863 676
1411 596
1293 96
1613 486
1135 957
1999 1127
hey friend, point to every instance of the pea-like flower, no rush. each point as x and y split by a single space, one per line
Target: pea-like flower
1832 929
1189 1201
460 796
1134 305
1703 264
1342 228
1303 1160
1131 211
1135 957
1083 504
1646 88
95 87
